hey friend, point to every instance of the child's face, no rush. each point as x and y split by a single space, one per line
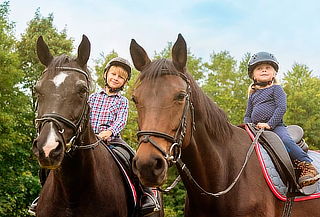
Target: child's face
115 78
264 72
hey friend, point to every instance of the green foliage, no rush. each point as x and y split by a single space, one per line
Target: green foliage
226 85
16 179
303 102
174 200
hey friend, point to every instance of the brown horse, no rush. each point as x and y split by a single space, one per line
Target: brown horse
179 124
84 179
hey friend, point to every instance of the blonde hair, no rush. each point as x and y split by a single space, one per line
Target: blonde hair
253 88
118 69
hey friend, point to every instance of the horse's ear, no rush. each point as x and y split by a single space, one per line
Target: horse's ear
179 54
84 51
139 56
43 52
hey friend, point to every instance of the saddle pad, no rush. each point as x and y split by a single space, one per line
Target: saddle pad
273 178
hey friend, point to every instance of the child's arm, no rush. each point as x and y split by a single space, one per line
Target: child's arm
281 107
247 116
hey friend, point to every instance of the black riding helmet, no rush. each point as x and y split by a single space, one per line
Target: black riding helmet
262 57
118 61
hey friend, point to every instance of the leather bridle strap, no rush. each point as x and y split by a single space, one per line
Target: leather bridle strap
156 134
56 117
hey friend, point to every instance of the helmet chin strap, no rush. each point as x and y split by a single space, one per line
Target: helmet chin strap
114 90
263 84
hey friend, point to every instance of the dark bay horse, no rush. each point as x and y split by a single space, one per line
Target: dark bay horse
84 179
179 123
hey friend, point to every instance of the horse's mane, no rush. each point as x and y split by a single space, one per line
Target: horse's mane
206 111
65 60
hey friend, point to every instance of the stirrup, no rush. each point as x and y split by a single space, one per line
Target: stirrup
147 211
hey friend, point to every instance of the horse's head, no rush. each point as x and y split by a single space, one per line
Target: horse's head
162 98
62 93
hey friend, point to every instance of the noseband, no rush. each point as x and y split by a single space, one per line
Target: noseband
176 140
57 119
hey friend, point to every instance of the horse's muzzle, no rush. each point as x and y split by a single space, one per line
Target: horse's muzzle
49 155
151 171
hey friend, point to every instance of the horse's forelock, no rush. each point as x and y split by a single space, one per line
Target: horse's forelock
157 68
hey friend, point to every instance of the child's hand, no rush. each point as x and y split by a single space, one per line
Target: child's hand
105 135
263 126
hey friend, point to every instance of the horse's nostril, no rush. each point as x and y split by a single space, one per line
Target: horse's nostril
57 151
159 165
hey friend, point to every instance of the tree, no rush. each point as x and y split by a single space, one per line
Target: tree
227 85
58 42
16 179
303 102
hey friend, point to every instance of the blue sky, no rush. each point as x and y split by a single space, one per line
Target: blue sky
288 29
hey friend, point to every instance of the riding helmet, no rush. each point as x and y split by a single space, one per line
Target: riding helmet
118 61
262 57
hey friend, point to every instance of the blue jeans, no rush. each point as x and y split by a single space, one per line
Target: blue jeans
294 151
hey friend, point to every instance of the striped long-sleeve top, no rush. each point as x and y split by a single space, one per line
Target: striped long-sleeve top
267 105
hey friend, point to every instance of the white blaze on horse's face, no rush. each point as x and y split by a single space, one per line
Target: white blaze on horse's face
59 79
51 143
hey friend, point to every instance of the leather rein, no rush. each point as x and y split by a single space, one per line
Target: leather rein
78 127
174 155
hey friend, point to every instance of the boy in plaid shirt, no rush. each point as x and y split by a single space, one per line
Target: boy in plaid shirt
108 108
108 116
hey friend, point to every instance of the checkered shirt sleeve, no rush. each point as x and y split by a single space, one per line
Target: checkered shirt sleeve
108 112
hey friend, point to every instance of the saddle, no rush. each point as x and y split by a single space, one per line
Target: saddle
296 133
274 146
124 154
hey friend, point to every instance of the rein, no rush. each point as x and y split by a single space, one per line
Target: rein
77 127
184 168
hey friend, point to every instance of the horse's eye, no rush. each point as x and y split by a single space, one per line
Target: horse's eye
83 90
180 96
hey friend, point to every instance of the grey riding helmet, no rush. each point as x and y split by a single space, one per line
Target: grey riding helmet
262 57
118 61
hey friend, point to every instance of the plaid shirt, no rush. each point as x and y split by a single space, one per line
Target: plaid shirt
108 112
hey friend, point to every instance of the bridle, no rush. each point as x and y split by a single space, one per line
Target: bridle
78 127
176 140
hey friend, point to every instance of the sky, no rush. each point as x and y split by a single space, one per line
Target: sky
287 28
